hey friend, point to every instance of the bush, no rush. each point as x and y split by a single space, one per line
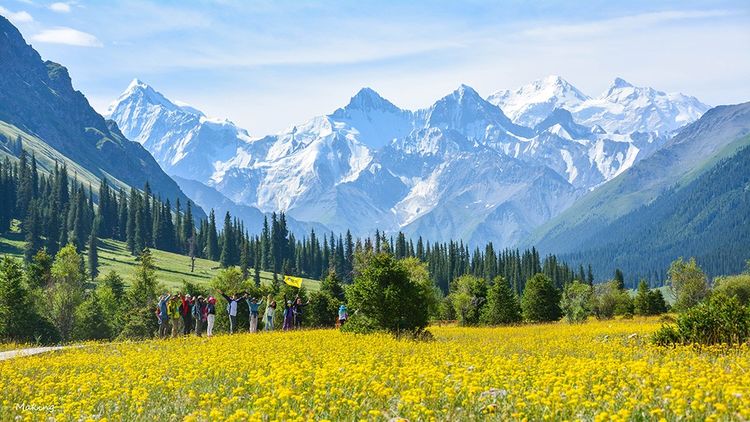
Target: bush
468 296
719 320
386 297
541 300
609 301
688 283
576 301
738 286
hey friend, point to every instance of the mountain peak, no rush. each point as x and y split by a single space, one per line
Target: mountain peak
621 83
368 99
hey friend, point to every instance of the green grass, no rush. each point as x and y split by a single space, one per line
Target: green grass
171 268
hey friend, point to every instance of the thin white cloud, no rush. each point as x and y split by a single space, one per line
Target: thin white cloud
60 7
16 17
67 36
621 23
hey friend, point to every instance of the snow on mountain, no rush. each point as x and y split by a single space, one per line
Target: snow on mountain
530 104
182 139
460 168
625 108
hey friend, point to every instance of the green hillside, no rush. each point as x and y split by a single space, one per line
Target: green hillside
708 219
171 269
719 134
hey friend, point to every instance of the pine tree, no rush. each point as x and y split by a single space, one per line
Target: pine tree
502 306
93 255
140 300
19 320
212 242
619 279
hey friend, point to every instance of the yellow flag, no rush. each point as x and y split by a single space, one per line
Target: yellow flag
293 281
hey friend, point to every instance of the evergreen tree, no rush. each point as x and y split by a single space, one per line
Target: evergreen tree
541 300
93 255
140 301
502 306
19 320
212 242
619 279
90 320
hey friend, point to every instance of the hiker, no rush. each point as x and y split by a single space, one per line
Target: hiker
288 315
231 309
297 311
343 315
163 326
173 311
210 315
270 312
199 314
252 306
187 314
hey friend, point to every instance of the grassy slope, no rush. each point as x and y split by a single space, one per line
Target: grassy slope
172 269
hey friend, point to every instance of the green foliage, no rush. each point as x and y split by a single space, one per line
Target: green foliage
738 286
468 296
66 291
648 302
609 301
140 302
39 270
541 300
387 297
324 304
688 283
576 302
718 320
91 322
503 306
115 283
19 320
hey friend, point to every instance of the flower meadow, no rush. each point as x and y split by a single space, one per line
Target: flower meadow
601 370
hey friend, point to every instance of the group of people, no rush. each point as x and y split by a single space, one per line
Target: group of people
197 313
193 312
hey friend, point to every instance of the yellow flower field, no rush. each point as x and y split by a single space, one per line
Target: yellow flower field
596 371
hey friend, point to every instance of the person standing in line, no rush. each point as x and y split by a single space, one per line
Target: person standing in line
163 327
199 315
173 310
252 306
288 315
270 313
187 314
232 304
297 311
210 316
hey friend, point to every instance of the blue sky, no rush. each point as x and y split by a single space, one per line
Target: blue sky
267 65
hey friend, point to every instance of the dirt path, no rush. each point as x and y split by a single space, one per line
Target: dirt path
10 354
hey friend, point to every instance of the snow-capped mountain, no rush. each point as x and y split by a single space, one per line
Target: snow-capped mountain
625 108
182 139
532 103
461 168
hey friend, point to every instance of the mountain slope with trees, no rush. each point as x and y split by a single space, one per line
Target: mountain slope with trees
708 219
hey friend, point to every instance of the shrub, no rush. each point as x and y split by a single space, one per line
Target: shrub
576 301
688 283
386 297
738 286
609 301
719 320
541 300
468 296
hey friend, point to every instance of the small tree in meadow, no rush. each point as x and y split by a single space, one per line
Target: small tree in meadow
576 301
502 306
541 300
688 282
